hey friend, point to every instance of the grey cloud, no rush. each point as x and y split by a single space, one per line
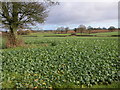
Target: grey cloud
82 12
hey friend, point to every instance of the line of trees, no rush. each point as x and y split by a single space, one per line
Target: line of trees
83 28
62 30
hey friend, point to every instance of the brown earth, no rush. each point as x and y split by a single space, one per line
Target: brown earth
94 31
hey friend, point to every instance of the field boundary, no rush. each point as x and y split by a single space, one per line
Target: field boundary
82 35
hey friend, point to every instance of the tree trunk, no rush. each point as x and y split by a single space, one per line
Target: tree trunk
12 37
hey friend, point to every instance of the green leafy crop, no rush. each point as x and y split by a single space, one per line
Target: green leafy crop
71 60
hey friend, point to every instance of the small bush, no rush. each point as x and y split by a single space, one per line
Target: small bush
21 32
27 32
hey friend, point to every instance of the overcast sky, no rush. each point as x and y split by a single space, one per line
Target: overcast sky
73 14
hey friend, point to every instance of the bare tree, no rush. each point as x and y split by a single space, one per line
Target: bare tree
81 28
61 29
89 28
18 14
66 29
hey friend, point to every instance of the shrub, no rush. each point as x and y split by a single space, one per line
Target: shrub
21 32
27 32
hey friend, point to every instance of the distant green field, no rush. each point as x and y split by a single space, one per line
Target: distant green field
106 33
51 34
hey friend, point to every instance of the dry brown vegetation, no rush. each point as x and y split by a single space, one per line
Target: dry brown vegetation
92 31
12 41
21 32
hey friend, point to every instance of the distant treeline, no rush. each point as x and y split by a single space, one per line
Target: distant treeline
62 30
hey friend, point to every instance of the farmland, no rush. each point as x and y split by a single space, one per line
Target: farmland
50 62
54 44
